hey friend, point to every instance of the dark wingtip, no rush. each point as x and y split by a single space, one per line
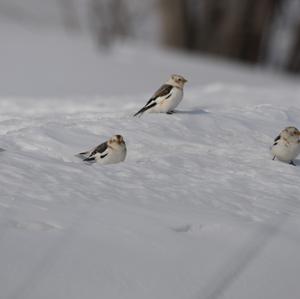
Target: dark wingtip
145 108
81 155
139 114
92 159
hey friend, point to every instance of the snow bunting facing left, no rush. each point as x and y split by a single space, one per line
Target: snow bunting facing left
286 145
167 97
109 152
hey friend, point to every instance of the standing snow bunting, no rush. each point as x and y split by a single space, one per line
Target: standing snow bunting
286 145
109 152
166 98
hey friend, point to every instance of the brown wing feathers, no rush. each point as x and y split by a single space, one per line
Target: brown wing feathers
164 90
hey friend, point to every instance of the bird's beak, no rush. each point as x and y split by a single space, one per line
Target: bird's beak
185 80
298 133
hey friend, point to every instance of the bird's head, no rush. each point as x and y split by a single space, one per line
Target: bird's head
291 134
177 80
116 139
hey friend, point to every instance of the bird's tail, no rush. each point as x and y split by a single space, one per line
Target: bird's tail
81 155
140 112
89 159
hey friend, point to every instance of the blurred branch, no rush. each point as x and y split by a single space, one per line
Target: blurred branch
294 61
173 13
232 28
109 20
69 15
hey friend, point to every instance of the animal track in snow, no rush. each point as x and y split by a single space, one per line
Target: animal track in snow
36 226
195 229
182 228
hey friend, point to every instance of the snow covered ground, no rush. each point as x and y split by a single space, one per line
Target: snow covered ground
198 209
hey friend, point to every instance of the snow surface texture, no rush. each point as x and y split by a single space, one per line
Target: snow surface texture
197 210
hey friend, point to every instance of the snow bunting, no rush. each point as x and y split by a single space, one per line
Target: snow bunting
167 97
109 152
286 145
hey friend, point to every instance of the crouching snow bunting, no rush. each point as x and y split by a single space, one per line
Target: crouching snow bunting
286 145
109 152
167 97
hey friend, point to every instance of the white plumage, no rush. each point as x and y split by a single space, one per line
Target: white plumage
166 98
286 145
165 105
110 152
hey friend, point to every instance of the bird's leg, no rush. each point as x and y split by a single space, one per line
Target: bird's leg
274 158
292 163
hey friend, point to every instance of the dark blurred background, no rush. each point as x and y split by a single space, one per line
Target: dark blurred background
261 32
